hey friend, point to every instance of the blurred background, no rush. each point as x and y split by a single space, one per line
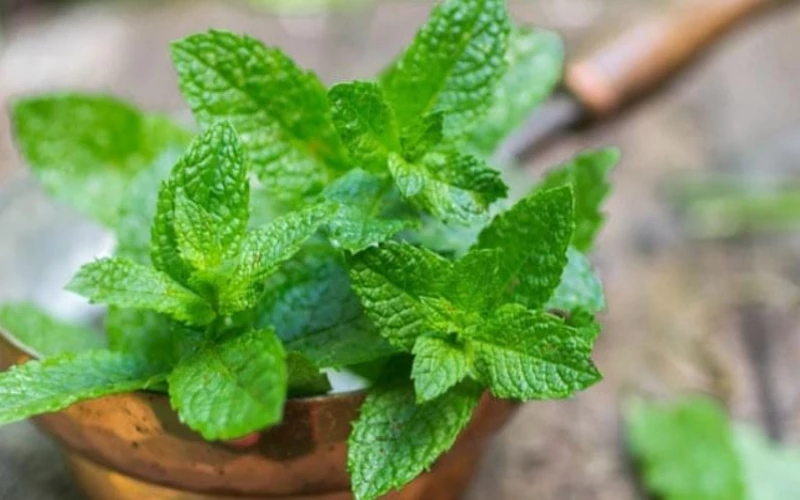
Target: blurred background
701 255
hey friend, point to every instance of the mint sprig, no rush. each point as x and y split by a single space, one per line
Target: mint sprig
357 228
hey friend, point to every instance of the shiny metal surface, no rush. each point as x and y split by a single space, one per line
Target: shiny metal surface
132 446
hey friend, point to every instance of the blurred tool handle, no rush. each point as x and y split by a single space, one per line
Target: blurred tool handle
645 57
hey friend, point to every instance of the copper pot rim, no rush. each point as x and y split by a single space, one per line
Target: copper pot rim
32 355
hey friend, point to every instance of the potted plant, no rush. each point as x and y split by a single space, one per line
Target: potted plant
300 231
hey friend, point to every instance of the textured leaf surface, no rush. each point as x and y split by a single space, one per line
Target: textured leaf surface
451 66
264 249
316 313
85 149
686 450
580 288
369 211
476 281
533 236
452 187
56 383
230 389
43 334
138 210
121 282
147 334
588 175
365 123
280 111
391 280
528 355
209 182
394 439
438 366
535 60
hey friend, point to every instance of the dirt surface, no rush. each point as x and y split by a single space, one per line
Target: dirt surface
714 317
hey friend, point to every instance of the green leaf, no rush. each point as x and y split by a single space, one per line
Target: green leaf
43 335
453 187
438 366
316 313
121 282
232 388
264 249
423 137
686 450
365 124
369 211
147 334
56 383
452 65
395 439
530 355
203 207
580 288
304 377
391 280
533 236
138 210
588 175
85 149
770 470
535 60
280 111
475 282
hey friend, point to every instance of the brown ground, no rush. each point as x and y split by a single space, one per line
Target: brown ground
685 315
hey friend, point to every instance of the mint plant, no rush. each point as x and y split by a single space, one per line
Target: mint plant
302 229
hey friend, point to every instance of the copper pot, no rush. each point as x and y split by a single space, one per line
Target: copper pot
132 447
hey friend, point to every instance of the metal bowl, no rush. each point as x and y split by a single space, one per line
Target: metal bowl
132 446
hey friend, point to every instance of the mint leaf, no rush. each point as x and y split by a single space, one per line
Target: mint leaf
394 439
304 378
121 282
137 210
43 335
56 383
315 312
196 233
264 249
85 149
535 60
451 66
280 111
687 450
438 366
232 388
533 236
210 183
588 175
147 334
475 282
580 288
527 355
369 211
365 124
452 187
423 136
391 280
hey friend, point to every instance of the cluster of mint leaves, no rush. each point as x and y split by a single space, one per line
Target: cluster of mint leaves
689 448
359 227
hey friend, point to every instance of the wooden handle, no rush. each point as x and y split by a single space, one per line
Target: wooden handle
644 57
